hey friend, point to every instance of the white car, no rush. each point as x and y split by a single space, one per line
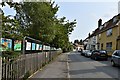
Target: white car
88 53
115 60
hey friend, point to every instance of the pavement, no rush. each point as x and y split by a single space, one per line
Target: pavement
73 66
56 69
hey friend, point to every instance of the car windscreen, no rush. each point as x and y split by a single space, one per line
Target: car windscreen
103 52
88 51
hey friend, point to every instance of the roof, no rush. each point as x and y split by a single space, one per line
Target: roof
110 24
107 25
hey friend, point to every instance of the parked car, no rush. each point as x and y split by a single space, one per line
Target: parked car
115 60
99 55
83 53
88 53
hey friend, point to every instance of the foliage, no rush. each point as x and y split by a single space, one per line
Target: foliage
9 56
38 20
78 42
10 27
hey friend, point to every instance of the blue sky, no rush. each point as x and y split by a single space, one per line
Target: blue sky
86 13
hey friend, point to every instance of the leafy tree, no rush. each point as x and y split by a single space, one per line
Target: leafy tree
10 27
76 41
81 42
38 20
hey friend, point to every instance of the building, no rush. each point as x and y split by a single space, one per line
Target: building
91 41
118 38
108 36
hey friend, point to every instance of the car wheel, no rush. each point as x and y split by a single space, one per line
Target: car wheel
106 59
95 58
91 57
113 63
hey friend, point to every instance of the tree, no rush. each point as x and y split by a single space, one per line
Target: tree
38 21
76 41
81 42
10 27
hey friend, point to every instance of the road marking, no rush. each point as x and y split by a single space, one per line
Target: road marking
68 68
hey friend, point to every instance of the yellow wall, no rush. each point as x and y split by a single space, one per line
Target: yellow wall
118 47
105 39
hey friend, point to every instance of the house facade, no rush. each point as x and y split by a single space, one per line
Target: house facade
118 38
108 36
92 41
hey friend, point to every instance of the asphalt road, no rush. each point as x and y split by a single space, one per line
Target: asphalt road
82 67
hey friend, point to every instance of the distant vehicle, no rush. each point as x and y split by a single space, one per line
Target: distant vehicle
115 60
80 50
88 53
99 55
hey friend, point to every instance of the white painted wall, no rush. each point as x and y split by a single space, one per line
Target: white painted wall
92 41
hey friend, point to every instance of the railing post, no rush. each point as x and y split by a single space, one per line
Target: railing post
24 45
0 67
24 55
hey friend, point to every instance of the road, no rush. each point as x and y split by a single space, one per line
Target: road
74 66
82 67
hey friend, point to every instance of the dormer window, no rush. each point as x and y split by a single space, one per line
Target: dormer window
101 27
105 24
115 19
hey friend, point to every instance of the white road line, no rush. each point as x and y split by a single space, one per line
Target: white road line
68 68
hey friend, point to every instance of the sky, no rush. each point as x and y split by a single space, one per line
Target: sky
87 13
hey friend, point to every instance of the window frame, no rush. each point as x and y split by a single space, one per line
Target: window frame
109 32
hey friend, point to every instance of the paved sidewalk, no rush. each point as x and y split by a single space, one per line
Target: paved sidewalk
56 69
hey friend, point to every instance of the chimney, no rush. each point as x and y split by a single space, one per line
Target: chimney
89 35
99 23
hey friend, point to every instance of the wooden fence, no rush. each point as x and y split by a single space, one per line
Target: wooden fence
26 64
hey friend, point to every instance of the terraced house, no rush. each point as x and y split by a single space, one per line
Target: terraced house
108 36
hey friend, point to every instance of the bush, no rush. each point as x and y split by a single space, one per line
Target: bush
9 56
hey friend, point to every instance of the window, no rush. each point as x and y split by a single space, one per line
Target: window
98 46
105 24
101 27
102 46
109 32
109 46
116 53
114 19
99 36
